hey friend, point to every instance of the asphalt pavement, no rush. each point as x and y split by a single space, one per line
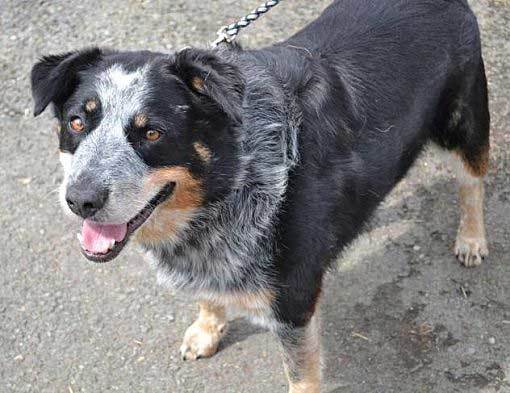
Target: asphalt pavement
399 313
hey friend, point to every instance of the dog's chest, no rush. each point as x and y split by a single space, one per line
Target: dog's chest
216 267
223 277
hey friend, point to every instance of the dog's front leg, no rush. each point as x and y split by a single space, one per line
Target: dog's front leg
301 354
202 338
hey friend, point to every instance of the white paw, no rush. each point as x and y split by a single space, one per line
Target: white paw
470 251
201 340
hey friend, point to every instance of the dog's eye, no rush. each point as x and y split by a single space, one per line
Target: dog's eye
76 124
152 135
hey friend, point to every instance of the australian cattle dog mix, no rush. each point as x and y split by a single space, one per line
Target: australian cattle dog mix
243 173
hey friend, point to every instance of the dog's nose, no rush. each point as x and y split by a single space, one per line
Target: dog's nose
85 198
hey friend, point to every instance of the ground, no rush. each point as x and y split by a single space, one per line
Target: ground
399 314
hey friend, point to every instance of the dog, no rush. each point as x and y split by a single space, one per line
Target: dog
243 174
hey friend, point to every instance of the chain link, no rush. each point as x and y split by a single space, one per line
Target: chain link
229 33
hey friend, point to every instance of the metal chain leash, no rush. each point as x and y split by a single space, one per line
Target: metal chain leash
229 33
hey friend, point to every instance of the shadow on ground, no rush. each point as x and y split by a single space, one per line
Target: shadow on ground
403 315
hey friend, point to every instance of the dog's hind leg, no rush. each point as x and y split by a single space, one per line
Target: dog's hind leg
202 338
467 140
301 354
471 243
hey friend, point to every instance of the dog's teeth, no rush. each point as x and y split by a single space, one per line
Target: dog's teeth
80 238
111 245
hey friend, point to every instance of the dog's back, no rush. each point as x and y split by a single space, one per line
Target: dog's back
424 28
388 52
389 67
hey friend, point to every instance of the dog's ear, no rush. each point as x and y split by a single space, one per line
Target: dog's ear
212 79
54 78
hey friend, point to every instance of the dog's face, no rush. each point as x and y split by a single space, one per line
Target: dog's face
145 139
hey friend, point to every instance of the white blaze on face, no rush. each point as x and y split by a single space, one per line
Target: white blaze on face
105 155
66 159
121 94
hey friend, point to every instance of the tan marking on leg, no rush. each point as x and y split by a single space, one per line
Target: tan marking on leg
256 303
141 120
174 213
203 152
90 106
471 243
479 166
259 300
305 387
203 336
302 358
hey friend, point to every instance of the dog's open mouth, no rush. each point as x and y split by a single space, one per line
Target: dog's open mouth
103 242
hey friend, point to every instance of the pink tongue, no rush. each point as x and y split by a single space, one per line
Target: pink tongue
97 238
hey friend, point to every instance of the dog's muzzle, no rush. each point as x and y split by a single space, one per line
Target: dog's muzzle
102 242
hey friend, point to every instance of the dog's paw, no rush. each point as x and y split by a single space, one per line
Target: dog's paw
201 340
470 251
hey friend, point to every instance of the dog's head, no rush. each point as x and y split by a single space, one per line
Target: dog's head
146 139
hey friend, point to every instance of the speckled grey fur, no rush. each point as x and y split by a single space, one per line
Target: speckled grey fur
105 154
229 245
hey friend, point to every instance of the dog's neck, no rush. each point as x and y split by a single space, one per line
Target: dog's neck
200 257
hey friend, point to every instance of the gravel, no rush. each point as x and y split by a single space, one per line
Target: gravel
399 314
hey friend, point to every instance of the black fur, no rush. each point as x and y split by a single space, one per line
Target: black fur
56 77
377 80
373 81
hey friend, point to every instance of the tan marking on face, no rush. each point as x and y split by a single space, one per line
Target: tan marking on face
203 336
141 120
174 213
302 362
90 106
203 152
197 83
